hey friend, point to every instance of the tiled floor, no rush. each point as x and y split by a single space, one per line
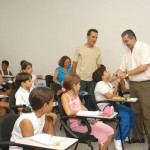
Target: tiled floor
111 146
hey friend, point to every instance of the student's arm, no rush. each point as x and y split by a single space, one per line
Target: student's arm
27 128
110 96
55 76
83 107
4 104
1 78
48 127
123 88
74 66
65 103
113 78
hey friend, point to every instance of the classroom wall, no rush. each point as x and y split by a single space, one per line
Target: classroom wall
41 31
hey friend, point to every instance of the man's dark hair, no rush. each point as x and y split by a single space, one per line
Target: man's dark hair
5 62
98 73
130 34
91 30
22 77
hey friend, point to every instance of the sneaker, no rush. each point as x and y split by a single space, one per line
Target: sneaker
118 145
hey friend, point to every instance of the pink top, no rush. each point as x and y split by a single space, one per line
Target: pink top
74 104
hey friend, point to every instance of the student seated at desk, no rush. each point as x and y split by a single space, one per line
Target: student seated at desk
103 91
24 82
72 104
5 68
5 71
30 124
27 67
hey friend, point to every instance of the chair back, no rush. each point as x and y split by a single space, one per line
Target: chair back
12 100
55 87
7 122
93 98
49 80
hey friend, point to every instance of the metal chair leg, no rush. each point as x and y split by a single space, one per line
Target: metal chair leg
76 146
121 135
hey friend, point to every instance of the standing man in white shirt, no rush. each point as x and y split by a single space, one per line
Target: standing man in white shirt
136 65
86 59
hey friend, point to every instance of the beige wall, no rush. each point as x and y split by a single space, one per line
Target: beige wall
41 31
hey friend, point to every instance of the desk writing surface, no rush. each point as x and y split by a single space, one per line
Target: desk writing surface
3 96
8 76
87 114
131 100
67 142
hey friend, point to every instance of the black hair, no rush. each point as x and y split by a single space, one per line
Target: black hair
98 73
130 34
91 30
22 61
22 77
39 96
5 62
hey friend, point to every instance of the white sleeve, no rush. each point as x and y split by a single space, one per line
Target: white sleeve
145 55
18 97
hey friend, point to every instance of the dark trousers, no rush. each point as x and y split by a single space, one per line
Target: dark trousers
86 86
141 108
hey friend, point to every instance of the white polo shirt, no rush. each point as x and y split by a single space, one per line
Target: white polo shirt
22 96
102 88
139 56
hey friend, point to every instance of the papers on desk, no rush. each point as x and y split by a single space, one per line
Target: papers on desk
95 114
47 139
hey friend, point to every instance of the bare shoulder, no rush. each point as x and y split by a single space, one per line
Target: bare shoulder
26 123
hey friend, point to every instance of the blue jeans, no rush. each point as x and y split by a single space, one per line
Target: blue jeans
126 115
86 86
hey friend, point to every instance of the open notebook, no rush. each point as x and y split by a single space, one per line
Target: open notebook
47 139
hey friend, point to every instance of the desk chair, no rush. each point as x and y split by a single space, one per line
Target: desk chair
105 120
85 138
49 80
6 126
55 87
12 102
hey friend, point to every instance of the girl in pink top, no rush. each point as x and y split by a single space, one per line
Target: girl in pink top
72 104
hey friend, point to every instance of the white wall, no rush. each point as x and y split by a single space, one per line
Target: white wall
41 31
